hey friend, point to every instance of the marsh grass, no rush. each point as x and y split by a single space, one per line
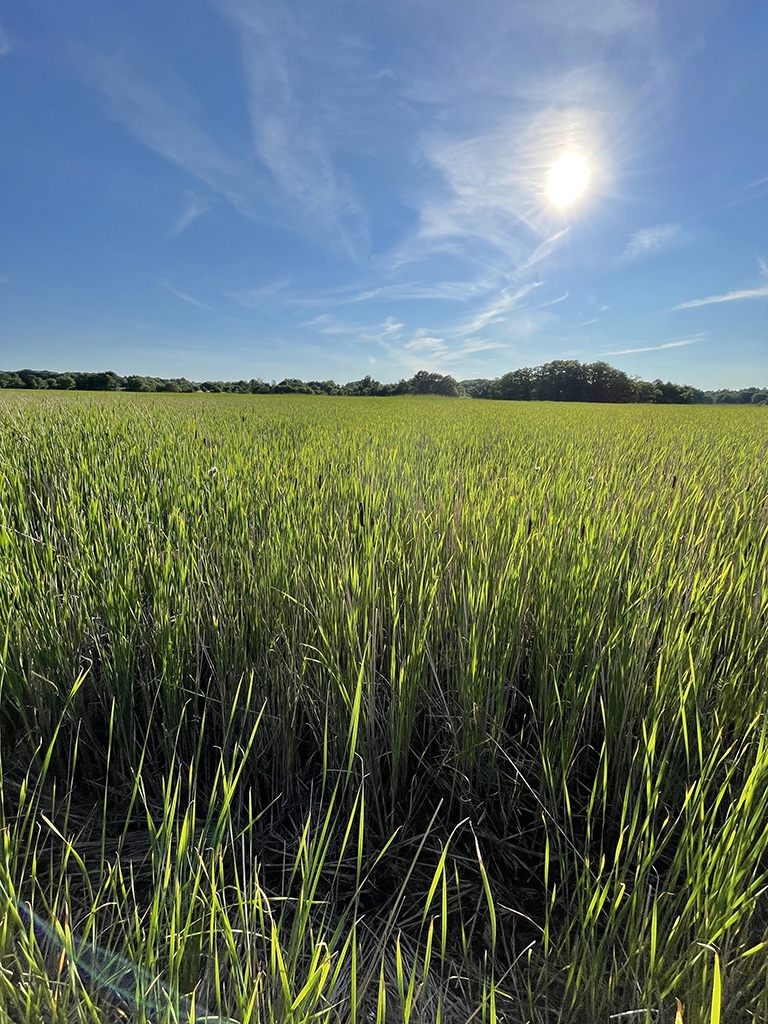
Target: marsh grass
415 710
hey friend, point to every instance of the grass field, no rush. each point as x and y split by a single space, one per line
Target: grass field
382 709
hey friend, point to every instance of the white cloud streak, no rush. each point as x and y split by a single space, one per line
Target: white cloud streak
162 116
292 130
498 309
760 292
429 348
736 296
425 351
754 190
255 298
6 46
294 177
419 290
420 343
164 283
607 17
196 207
652 348
652 239
449 291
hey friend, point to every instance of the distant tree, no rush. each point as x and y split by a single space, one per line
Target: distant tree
324 387
478 387
107 381
607 384
291 386
699 397
563 380
425 383
672 394
517 386
644 391
30 379
135 383
362 388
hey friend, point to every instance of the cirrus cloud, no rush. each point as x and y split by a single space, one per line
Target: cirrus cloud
5 43
652 239
759 292
655 348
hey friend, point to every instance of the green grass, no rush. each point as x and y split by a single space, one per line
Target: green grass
405 710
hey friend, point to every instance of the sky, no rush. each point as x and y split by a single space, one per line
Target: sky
228 189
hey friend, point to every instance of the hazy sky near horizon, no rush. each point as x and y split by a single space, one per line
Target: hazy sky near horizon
328 188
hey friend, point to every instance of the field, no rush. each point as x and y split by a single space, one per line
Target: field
396 710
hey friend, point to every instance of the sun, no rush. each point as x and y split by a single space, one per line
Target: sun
567 179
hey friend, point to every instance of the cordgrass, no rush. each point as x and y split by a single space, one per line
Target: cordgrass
396 711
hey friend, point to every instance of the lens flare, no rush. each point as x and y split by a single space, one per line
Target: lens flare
567 179
120 979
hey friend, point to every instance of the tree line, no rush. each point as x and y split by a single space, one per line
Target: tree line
562 380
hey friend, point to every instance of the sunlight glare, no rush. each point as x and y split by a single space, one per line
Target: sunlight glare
567 179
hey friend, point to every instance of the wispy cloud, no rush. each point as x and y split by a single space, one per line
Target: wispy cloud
489 185
498 310
4 279
449 291
427 351
160 114
384 333
754 190
164 283
653 348
254 298
551 302
292 130
294 176
500 125
421 343
652 239
545 249
347 295
428 347
607 18
494 185
760 292
5 43
424 349
196 207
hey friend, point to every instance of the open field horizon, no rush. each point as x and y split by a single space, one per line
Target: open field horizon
398 711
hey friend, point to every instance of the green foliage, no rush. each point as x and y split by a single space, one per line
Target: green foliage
558 381
319 710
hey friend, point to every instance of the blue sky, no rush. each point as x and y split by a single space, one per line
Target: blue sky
329 188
